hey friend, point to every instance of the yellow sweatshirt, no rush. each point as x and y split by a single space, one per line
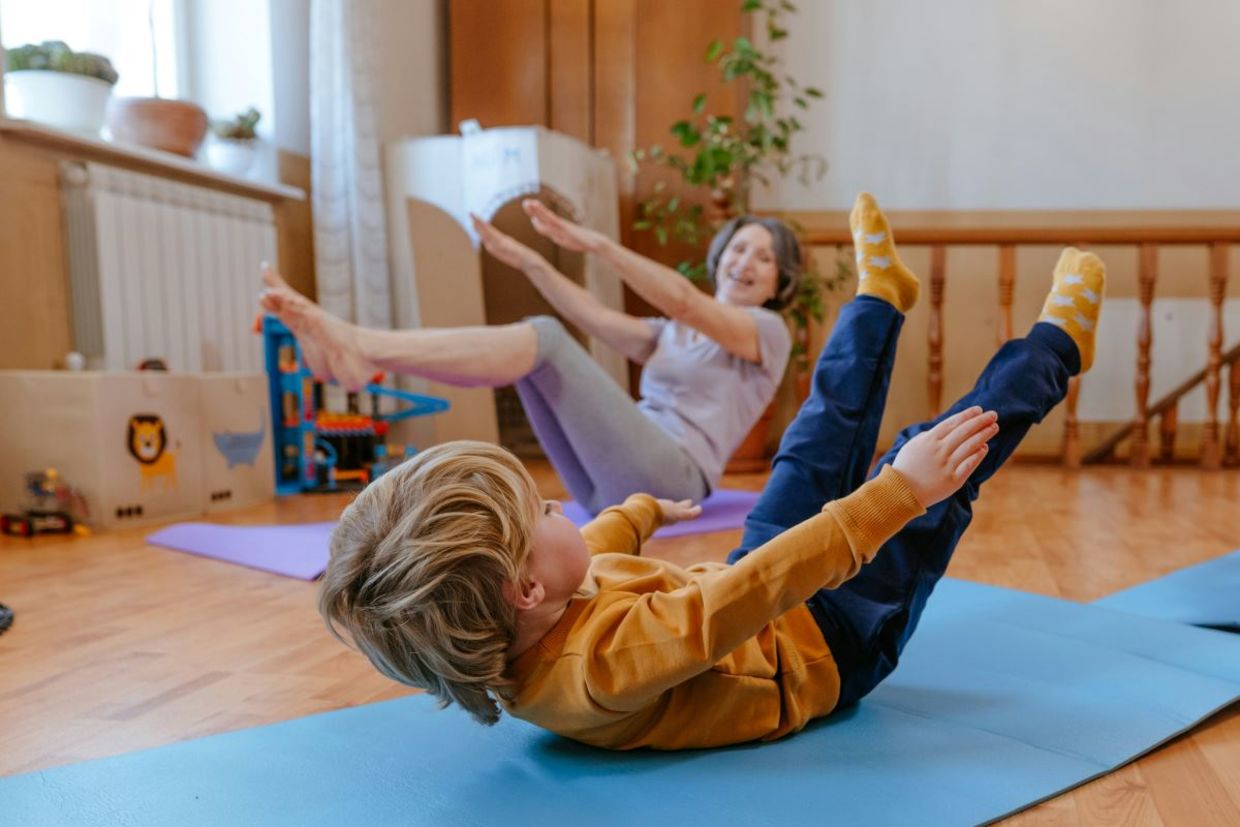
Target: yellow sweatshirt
649 654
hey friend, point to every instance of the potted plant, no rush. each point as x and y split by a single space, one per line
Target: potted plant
176 126
50 83
723 157
231 149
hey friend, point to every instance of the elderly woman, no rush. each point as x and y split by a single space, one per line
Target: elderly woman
712 363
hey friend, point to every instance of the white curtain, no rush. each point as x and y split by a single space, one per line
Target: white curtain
350 235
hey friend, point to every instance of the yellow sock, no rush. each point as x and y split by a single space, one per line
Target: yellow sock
880 272
1076 299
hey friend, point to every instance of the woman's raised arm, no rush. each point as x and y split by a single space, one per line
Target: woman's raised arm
671 293
630 336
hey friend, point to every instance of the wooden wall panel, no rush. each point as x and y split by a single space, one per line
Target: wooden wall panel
615 93
614 73
498 59
295 225
34 312
570 69
671 41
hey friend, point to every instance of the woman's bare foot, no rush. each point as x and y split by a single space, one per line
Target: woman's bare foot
329 345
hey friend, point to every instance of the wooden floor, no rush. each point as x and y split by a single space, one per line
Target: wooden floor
120 646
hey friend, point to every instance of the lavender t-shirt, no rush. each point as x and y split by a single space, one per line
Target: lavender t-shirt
706 398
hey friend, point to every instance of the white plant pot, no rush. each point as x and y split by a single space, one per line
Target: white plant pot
72 102
231 156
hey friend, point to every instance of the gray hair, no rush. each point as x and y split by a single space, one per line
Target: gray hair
787 256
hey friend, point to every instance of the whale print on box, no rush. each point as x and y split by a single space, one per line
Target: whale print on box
241 447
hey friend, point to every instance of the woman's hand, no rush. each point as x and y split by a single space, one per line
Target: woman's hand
935 463
677 511
563 232
504 247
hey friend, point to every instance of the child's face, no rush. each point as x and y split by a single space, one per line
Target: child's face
559 557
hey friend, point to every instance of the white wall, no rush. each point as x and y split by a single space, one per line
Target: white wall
229 67
230 62
1022 104
266 63
290 68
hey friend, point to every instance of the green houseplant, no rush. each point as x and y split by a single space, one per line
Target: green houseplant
723 157
241 127
56 56
50 83
231 149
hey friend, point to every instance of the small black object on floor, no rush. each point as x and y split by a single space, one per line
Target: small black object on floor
6 618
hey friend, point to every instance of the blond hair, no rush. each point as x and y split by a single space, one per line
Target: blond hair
418 567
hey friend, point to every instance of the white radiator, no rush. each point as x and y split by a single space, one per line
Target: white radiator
161 269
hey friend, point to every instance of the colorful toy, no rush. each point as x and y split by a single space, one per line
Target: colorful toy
316 450
55 508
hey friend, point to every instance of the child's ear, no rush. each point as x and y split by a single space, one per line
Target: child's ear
525 595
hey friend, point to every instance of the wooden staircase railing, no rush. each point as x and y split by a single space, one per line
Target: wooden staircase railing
1168 406
1148 231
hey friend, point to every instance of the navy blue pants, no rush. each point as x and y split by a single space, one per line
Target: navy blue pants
826 453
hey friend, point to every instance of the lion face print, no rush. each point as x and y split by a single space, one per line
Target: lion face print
148 444
147 438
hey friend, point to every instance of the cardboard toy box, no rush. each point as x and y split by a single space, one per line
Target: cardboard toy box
238 464
129 442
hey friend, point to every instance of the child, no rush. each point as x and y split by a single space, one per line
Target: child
452 575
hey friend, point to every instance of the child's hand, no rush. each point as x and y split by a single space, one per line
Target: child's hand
938 461
679 511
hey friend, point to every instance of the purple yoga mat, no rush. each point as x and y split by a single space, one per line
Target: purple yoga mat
292 550
301 550
725 509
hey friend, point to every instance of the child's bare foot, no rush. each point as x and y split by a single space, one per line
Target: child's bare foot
329 345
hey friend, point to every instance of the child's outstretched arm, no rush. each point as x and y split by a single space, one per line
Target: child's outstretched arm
622 529
659 640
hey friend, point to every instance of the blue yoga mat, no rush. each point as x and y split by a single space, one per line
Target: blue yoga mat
1003 699
1207 594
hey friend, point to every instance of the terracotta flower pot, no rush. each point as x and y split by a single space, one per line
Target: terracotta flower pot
170 125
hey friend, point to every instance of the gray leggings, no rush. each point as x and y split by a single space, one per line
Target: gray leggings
602 446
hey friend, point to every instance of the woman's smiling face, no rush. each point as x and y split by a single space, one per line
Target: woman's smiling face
747 274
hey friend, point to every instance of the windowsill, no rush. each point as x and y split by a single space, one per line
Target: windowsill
185 168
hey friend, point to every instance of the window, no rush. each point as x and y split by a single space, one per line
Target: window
120 30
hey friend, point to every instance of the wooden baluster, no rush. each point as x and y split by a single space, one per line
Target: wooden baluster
1147 274
1167 433
938 277
1071 427
1071 431
1007 284
1233 419
1211 453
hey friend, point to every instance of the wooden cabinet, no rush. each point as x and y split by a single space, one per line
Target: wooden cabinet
613 73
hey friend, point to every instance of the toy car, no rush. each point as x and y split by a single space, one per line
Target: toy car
32 522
